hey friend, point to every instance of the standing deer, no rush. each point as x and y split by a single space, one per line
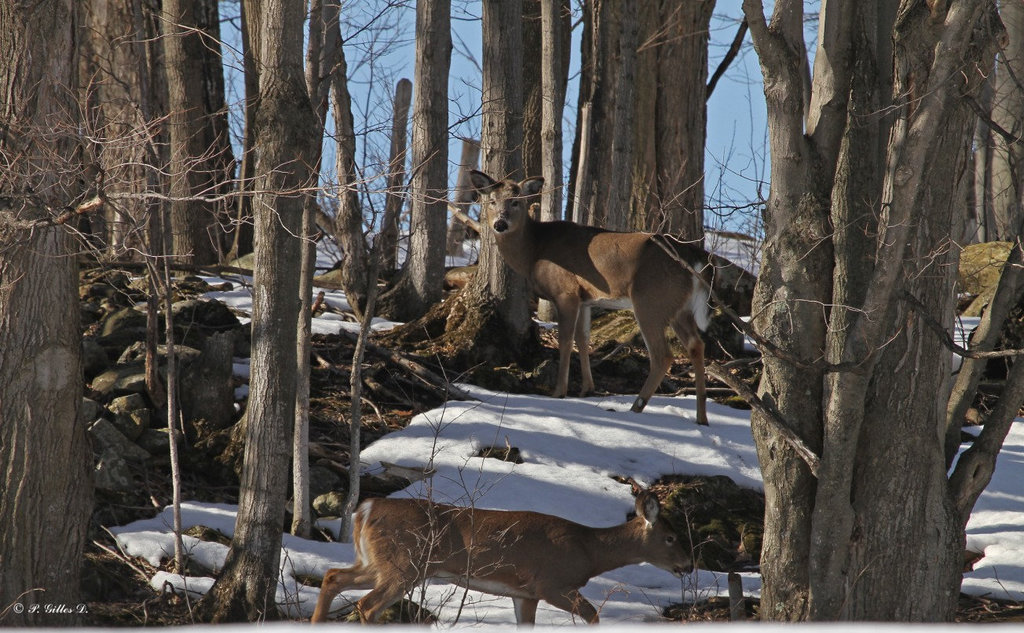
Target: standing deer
577 267
527 556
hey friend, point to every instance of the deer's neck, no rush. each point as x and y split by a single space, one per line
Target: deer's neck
615 547
518 248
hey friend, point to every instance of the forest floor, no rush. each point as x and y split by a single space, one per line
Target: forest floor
117 590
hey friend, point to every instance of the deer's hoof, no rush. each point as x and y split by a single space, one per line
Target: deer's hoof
638 405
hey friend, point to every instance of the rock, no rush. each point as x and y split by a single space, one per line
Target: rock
120 380
322 480
330 280
90 411
131 415
94 358
155 441
136 353
210 315
112 473
459 277
122 328
330 504
981 265
106 437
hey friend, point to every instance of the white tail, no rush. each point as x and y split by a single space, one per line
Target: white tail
400 543
577 266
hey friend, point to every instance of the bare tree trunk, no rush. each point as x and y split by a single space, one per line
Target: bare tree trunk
495 284
463 195
246 587
422 277
533 89
197 120
847 544
604 158
1008 113
349 223
45 459
396 176
123 96
242 227
671 118
552 108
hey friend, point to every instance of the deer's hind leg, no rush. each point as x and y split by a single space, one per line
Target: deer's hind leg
384 595
652 325
689 336
583 347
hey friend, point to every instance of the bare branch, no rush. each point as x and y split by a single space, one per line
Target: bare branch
730 55
773 416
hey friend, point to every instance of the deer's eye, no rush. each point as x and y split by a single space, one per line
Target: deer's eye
670 539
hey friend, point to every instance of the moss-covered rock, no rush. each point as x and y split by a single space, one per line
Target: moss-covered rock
723 521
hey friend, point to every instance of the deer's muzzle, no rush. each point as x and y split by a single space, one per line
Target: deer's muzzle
500 225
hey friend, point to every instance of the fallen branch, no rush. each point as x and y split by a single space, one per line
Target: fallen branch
772 415
427 376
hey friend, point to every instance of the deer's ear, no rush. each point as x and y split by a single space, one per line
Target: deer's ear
531 186
482 183
648 507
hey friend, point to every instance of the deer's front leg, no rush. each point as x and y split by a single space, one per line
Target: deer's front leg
568 316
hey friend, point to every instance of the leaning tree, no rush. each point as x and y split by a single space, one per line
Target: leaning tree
856 292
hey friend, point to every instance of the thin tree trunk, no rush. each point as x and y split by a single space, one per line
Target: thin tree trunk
247 585
1008 113
464 195
349 221
396 176
421 282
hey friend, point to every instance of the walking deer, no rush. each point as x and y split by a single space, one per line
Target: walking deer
577 267
527 556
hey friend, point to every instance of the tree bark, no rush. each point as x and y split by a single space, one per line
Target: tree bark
395 199
876 536
349 222
45 459
495 284
1008 113
285 123
123 95
671 118
422 278
197 120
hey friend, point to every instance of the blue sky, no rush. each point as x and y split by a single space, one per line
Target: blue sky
380 49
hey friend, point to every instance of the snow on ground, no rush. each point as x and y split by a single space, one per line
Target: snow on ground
571 449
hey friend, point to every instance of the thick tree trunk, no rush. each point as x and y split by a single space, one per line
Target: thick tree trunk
197 120
45 459
876 535
123 94
1008 113
671 119
246 587
495 284
422 278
